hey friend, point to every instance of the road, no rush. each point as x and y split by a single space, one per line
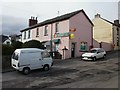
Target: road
71 73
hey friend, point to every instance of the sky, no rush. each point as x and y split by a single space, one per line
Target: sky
15 15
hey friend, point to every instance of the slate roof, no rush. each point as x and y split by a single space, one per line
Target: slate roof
58 18
110 22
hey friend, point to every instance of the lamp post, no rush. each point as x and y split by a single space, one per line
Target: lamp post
51 51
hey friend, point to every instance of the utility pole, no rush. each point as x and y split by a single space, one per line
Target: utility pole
51 51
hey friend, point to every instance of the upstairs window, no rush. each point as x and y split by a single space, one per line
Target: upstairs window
25 35
117 41
56 27
37 32
28 34
117 31
46 31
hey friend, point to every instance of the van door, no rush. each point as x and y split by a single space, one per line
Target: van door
46 59
37 63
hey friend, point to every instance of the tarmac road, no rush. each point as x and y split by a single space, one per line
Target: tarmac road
71 73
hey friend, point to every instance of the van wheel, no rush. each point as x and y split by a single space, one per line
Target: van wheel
26 71
46 67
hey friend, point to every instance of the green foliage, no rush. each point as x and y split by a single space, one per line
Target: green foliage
17 44
7 49
33 44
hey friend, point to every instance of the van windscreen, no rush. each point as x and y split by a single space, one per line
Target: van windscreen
15 56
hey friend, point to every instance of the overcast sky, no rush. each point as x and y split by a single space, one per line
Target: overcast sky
15 15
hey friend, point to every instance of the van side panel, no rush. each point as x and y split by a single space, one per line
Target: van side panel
30 59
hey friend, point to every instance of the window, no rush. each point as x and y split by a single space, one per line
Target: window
46 31
7 42
117 41
117 31
24 35
15 56
28 34
93 51
45 54
37 32
83 46
56 27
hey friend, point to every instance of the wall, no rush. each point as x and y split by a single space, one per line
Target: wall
115 36
27 39
83 32
102 32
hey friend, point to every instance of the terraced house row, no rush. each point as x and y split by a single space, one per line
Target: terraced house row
67 35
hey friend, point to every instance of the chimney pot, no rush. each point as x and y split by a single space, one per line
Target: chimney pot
97 15
32 21
116 22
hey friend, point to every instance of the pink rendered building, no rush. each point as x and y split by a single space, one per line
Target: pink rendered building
68 35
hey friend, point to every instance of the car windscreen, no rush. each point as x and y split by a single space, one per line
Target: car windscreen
15 56
93 51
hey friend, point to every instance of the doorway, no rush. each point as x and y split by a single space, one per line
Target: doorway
73 50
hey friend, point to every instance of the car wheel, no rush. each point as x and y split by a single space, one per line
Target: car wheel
46 67
94 59
103 56
26 71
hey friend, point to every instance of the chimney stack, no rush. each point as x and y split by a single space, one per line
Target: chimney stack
97 15
116 22
33 21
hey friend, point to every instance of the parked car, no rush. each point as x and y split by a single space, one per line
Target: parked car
28 59
94 54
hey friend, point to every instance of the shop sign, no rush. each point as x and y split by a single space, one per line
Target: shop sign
71 36
73 30
61 34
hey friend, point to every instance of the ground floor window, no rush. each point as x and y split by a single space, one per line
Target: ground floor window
83 46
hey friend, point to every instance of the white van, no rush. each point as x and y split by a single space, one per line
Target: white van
28 59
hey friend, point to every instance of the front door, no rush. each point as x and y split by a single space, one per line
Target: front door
73 50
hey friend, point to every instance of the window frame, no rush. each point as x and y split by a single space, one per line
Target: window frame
29 34
25 35
117 31
46 30
56 27
37 32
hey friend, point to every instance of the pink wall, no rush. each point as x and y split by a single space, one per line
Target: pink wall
83 31
64 41
41 36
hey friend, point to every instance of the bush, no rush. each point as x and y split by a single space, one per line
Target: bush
33 44
17 44
7 49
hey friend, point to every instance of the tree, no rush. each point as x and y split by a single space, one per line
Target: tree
17 44
33 44
7 49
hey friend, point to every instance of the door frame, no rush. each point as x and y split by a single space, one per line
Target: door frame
74 54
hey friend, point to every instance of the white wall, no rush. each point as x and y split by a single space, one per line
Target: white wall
24 40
